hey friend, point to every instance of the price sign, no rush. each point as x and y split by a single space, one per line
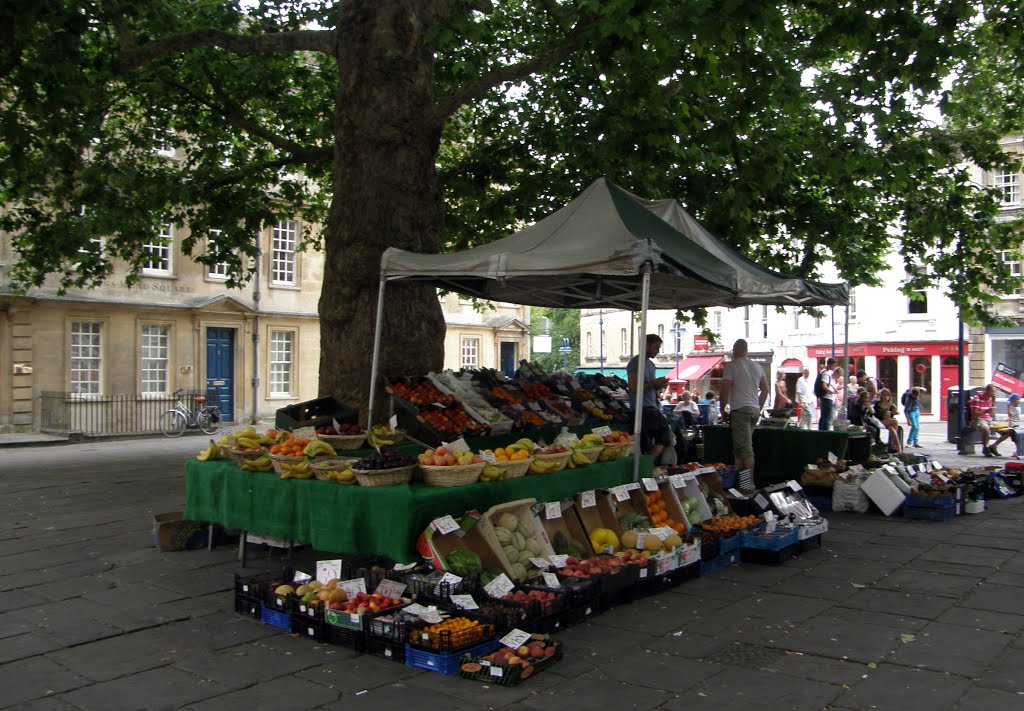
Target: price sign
393 422
390 588
677 481
305 433
588 499
533 405
621 493
496 672
431 616
301 577
641 539
770 526
515 639
451 579
540 563
558 560
650 484
632 486
415 609
735 494
769 515
405 566
499 587
704 470
943 478
795 485
328 570
761 501
662 532
567 440
937 465
457 447
603 431
551 580
553 509
353 587
437 404
463 602
488 457
445 525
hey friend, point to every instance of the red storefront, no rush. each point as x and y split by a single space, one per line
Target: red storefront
932 365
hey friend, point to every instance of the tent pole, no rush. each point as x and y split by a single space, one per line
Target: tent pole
846 352
641 368
376 351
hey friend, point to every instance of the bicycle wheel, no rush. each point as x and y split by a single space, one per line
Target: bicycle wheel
208 420
173 423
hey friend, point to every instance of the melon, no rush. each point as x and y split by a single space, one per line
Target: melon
629 539
508 521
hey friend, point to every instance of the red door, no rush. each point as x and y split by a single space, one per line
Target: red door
948 378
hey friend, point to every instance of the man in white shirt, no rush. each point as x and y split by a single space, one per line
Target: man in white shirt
744 391
805 396
828 398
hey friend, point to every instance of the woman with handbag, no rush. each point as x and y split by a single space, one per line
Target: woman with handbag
885 411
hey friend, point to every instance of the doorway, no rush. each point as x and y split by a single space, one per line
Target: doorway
220 370
508 358
949 375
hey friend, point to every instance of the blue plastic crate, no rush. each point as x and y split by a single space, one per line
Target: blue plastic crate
769 541
445 664
931 502
925 513
723 561
728 475
730 544
765 556
273 618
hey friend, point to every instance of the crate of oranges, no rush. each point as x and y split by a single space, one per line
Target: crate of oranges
288 452
452 634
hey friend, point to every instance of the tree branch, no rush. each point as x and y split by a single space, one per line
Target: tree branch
447 105
138 56
559 15
312 155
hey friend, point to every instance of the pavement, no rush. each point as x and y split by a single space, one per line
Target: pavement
887 614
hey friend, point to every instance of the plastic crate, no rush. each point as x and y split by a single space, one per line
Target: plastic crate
730 544
395 651
925 513
764 556
722 562
511 676
619 589
775 541
822 503
728 475
808 544
581 602
273 618
315 413
446 642
445 663
343 637
248 605
309 627
931 502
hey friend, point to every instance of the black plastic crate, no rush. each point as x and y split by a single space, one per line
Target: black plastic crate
809 544
619 589
247 605
309 627
763 556
447 643
315 413
437 592
927 513
395 651
343 637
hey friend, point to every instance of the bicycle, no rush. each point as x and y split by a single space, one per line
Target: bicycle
174 422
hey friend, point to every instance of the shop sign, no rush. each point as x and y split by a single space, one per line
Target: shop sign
1007 379
887 349
701 343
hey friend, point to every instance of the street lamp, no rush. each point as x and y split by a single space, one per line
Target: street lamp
677 331
565 350
600 328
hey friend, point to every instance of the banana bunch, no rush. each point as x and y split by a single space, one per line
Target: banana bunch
539 467
210 453
345 478
260 464
525 444
226 440
317 448
591 439
578 459
248 438
492 473
296 471
382 436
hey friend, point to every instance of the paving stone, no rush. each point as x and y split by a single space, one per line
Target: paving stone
866 550
118 656
155 689
28 679
752 630
286 692
133 596
659 671
255 662
1005 673
899 603
979 572
1007 543
408 693
856 571
684 644
982 619
968 555
1003 578
927 583
492 695
828 636
48 704
358 673
997 598
981 699
1014 564
770 605
26 645
902 623
188 607
595 692
760 575
747 689
895 687
931 648
810 666
654 616
216 631
716 588
811 586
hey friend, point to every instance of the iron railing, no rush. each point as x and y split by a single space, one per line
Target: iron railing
99 415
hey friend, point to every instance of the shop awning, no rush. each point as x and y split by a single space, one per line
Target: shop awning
694 368
791 365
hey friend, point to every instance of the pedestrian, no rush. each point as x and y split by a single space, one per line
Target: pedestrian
655 433
805 397
1013 426
825 389
885 411
744 392
782 400
912 408
981 407
868 383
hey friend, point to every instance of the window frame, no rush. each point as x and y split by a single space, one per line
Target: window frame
275 230
1008 184
473 341
292 371
162 243
168 365
101 379
764 322
746 322
1016 268
211 248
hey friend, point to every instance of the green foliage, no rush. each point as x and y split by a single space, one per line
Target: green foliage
562 323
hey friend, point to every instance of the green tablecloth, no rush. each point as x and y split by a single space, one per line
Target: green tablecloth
350 520
779 453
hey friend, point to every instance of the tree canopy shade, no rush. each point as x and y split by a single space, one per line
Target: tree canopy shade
792 130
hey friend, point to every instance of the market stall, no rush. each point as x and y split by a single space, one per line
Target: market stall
780 453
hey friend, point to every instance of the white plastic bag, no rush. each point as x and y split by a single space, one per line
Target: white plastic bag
847 496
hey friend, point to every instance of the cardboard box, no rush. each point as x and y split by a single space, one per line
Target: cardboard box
886 495
522 509
673 507
436 546
171 532
600 515
568 524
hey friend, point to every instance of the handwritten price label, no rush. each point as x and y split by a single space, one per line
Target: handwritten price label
677 481
353 587
602 431
553 510
621 493
558 560
588 499
650 484
499 587
488 457
832 458
390 588
327 570
540 563
551 580
515 639
445 525
663 532
464 602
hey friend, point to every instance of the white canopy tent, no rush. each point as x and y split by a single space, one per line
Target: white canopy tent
606 248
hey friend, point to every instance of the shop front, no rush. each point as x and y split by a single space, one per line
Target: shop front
929 365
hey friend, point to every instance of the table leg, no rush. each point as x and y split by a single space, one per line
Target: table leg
209 537
242 546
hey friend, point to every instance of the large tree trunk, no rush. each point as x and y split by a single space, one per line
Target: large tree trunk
385 194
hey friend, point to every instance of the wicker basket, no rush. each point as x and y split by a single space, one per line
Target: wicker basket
342 443
457 475
395 439
384 477
322 466
278 460
591 453
242 455
514 470
561 459
618 450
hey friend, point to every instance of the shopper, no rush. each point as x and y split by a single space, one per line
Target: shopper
885 411
687 411
655 433
982 406
782 400
805 396
912 408
1013 424
744 392
825 389
868 383
862 414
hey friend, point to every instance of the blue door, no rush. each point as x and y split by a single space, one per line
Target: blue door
220 370
508 358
